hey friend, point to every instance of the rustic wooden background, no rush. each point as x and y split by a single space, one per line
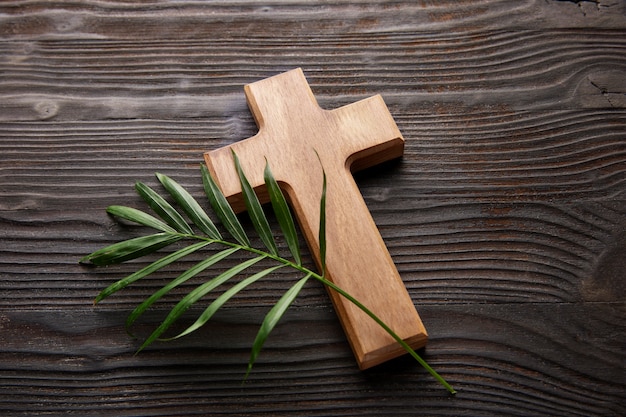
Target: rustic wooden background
506 217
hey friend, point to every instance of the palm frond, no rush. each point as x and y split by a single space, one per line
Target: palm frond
173 228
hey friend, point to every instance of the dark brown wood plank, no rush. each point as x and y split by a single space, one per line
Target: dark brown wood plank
192 20
54 362
552 155
530 220
506 217
476 252
525 69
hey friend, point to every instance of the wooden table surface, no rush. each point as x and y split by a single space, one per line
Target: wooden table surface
506 217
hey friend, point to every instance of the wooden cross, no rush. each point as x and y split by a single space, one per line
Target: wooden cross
292 128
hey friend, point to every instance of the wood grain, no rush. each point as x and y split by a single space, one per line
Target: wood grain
555 230
506 217
130 79
190 20
508 366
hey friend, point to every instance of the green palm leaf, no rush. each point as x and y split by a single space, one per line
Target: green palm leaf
322 229
163 208
196 294
221 207
283 214
255 211
188 274
140 217
197 215
130 249
222 299
273 317
154 266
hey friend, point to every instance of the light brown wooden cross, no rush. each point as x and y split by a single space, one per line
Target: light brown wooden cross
292 128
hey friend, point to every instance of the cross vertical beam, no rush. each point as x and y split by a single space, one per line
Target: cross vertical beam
292 129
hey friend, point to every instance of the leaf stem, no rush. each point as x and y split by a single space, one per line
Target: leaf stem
393 334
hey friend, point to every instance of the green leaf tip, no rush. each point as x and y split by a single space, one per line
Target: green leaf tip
222 299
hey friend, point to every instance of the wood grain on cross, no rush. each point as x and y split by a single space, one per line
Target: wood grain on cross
292 128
